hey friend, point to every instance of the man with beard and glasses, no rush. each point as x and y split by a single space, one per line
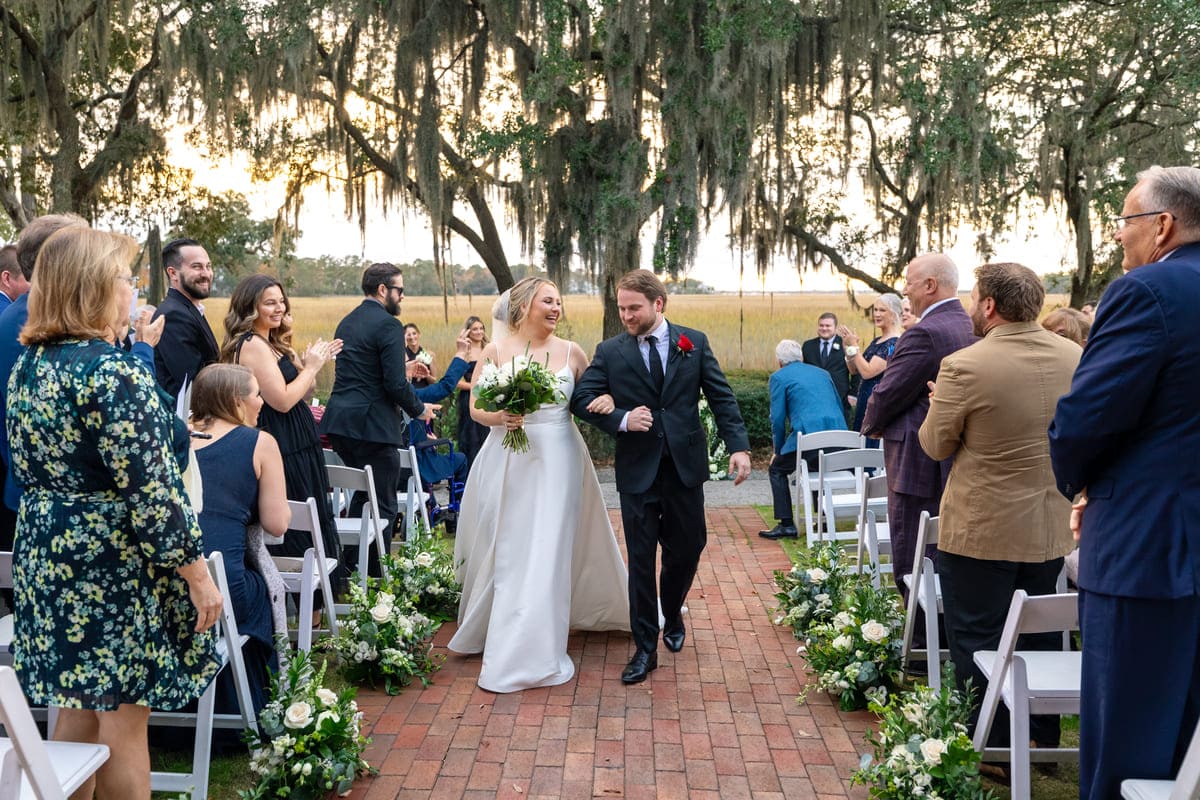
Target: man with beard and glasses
187 344
370 390
1003 525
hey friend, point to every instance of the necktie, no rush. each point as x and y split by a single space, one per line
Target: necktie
825 350
656 365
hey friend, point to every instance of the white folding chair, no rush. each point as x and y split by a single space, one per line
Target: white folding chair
924 592
413 498
1186 785
806 482
874 537
1029 682
6 622
364 530
229 649
30 767
305 575
845 504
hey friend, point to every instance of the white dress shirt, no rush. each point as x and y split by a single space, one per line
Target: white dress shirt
662 340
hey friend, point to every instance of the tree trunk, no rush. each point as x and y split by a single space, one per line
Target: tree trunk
1078 199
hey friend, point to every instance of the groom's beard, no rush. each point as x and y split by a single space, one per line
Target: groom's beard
644 328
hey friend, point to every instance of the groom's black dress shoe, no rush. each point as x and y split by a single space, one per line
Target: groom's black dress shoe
673 636
641 665
780 532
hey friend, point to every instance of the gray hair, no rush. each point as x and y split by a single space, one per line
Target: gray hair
893 303
1173 189
789 351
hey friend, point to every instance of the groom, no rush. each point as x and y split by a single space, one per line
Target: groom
654 375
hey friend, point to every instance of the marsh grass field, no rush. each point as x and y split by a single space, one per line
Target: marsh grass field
742 330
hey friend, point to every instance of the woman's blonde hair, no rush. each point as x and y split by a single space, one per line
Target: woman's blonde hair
217 390
520 298
73 293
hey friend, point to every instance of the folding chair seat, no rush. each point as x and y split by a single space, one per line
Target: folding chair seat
874 536
846 504
413 498
365 530
1186 785
1029 682
806 482
30 767
924 592
305 575
204 719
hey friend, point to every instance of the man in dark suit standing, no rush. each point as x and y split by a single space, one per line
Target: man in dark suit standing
1124 439
901 399
825 351
187 344
654 374
371 388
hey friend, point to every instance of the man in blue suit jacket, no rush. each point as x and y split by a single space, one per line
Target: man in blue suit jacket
1125 439
805 397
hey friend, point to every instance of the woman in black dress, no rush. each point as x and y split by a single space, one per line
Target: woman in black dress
470 433
256 337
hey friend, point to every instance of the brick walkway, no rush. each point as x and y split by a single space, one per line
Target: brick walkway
717 720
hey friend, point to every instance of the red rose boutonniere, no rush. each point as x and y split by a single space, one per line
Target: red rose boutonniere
684 345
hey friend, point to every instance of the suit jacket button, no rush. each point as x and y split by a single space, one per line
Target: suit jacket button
660 436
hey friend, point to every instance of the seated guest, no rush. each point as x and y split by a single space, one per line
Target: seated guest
802 396
1069 324
242 473
870 363
413 349
437 466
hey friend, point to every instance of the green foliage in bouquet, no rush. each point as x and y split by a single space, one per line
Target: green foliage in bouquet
811 591
718 455
309 741
521 386
922 748
423 573
383 639
857 653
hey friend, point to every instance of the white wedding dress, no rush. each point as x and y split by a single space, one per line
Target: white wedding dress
537 555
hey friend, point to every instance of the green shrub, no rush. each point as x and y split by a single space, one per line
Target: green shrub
750 387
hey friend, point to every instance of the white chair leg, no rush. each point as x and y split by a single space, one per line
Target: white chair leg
202 753
305 623
933 647
364 547
1018 726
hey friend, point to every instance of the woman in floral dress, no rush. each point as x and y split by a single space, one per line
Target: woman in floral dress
108 551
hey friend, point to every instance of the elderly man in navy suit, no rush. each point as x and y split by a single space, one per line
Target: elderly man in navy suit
900 401
802 397
1125 440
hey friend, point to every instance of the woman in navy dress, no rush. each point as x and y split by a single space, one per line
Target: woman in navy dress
256 337
242 473
870 363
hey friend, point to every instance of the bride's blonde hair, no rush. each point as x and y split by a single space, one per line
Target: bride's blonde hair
520 298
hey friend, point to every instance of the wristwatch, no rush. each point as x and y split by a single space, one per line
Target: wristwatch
851 351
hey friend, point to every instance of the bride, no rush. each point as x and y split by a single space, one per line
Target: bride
537 553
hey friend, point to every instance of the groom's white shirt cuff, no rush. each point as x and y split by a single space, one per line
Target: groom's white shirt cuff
624 426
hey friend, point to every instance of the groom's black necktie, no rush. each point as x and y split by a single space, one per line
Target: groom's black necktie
656 365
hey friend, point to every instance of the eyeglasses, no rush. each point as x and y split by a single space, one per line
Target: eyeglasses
1120 222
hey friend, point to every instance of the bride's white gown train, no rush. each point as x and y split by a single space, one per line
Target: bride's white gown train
537 554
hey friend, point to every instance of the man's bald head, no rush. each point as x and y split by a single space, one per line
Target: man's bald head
929 279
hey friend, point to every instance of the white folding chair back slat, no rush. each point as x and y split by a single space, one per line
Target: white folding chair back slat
30 767
310 573
846 504
924 593
806 482
1029 681
366 530
874 537
1186 785
413 498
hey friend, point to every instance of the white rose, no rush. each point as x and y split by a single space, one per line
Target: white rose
914 714
842 620
307 769
298 715
424 560
385 599
932 749
381 614
817 575
843 642
326 696
874 631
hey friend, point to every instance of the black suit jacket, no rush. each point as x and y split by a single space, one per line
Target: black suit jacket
835 365
370 387
618 369
187 344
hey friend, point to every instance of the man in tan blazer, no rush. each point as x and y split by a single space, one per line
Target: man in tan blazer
1003 524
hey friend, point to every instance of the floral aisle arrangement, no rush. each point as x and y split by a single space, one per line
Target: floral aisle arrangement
521 386
309 741
423 572
383 638
856 654
718 454
811 591
922 748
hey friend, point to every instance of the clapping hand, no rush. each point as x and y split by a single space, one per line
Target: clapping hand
415 370
849 337
145 330
321 351
602 405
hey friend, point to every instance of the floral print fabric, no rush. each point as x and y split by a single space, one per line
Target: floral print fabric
101 616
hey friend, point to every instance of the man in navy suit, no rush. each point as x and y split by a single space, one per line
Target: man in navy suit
652 376
825 351
1125 441
802 396
187 344
900 401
